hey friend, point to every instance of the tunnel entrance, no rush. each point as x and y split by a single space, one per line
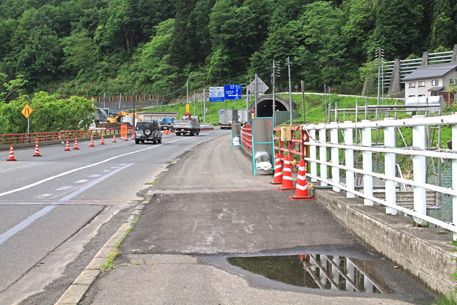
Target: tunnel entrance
265 105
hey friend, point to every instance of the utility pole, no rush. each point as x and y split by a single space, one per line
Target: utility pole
288 63
255 96
104 100
274 74
303 100
134 106
204 105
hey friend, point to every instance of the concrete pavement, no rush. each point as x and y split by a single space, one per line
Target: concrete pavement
207 207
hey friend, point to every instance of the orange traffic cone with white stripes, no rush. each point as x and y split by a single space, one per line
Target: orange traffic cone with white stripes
103 141
91 141
287 182
11 157
133 136
301 189
37 152
114 139
126 137
278 171
76 144
67 147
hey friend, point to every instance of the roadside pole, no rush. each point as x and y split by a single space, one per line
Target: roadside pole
303 100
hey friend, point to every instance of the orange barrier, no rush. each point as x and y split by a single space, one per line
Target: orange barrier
11 156
37 151
301 190
287 182
67 147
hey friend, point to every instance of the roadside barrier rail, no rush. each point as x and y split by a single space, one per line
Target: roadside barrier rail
335 155
19 138
246 137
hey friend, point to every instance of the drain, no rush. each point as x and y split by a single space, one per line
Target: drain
316 271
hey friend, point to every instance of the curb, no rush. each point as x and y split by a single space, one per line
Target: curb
79 287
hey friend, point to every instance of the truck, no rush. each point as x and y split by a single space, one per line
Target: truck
166 123
243 118
187 125
227 117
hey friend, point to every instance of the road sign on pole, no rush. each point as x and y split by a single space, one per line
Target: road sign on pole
261 86
232 92
27 111
216 94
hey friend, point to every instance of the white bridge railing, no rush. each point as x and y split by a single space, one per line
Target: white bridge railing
418 152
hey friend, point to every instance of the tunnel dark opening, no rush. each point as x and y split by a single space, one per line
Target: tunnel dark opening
265 108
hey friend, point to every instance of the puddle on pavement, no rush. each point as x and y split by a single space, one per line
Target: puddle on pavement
317 271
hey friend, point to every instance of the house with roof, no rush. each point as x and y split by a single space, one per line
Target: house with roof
431 80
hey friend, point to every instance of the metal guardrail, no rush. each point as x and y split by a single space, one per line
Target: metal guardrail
20 138
306 140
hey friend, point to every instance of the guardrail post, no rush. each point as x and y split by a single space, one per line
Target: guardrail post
335 157
313 153
389 141
349 156
419 171
454 181
323 155
367 164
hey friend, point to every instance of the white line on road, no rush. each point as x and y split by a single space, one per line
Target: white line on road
26 165
31 219
72 171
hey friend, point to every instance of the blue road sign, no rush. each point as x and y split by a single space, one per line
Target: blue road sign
216 94
232 92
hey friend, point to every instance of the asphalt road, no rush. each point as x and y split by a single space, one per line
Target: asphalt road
57 210
209 207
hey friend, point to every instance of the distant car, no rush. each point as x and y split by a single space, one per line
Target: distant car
148 131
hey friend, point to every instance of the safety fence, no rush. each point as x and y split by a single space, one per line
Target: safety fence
342 156
246 137
20 138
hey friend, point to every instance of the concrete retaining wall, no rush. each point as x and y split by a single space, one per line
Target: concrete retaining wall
425 252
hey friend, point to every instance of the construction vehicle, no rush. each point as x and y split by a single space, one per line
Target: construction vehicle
120 114
187 125
166 123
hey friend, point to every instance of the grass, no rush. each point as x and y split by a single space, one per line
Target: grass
109 265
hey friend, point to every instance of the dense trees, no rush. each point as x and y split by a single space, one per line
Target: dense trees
88 47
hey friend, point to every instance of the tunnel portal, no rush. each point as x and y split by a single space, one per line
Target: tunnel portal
265 105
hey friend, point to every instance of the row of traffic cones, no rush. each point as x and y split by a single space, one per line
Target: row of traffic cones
67 146
283 177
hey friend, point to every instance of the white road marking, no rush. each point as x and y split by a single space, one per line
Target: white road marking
64 188
13 168
72 171
82 181
95 176
31 219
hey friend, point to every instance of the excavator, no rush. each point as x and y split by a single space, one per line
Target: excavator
122 113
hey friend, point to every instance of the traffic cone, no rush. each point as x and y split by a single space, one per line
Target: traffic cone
76 144
278 171
114 139
91 141
133 136
67 147
287 182
126 137
11 157
102 142
301 190
37 152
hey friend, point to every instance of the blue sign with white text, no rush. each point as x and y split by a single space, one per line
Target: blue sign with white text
232 92
216 94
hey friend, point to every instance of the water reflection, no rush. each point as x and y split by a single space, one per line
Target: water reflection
317 271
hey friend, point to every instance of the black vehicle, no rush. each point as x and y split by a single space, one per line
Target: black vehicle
148 131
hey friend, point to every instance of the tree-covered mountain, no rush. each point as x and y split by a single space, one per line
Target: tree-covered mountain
87 47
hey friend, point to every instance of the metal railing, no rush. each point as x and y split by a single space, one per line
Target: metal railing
335 158
20 138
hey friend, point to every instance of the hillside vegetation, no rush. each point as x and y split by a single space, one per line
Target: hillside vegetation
81 47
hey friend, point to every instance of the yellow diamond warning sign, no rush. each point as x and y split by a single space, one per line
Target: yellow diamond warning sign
27 111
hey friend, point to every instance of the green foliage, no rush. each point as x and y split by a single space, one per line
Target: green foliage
87 47
49 114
